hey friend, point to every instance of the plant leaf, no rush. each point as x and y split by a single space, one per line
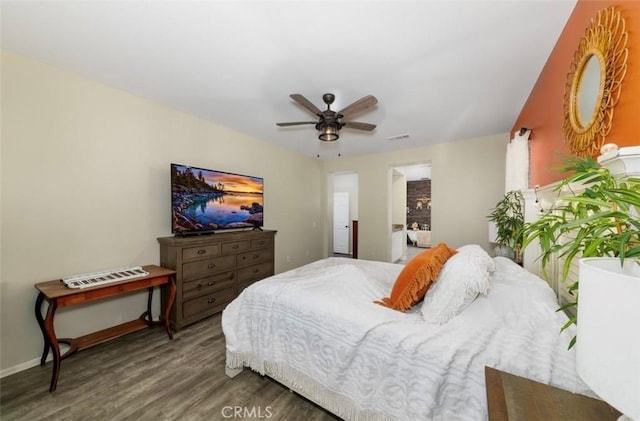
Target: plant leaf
570 322
566 306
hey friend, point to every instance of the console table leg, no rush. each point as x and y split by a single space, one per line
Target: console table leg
170 300
53 341
149 298
47 344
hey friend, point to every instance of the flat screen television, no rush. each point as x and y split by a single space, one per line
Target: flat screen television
204 201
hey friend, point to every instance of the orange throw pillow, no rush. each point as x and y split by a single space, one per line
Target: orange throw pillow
416 277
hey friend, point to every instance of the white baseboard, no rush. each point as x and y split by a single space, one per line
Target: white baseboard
21 367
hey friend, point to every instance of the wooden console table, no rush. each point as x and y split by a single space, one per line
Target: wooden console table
59 295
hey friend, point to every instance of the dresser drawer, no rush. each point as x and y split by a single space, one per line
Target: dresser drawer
261 242
255 272
253 257
243 285
209 250
235 247
209 304
210 266
203 286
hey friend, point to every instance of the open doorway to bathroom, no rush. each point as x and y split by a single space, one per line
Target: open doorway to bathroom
411 210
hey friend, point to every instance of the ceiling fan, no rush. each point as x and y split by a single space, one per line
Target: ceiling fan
330 122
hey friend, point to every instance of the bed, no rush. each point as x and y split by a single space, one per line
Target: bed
317 330
420 238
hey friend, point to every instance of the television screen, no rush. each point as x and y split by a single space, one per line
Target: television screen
207 200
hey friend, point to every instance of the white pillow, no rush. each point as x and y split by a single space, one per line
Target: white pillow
464 276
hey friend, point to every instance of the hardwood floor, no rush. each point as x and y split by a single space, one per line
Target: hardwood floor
146 376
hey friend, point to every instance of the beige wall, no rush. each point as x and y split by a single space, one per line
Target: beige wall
467 180
85 186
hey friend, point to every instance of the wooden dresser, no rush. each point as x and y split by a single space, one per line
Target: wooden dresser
211 270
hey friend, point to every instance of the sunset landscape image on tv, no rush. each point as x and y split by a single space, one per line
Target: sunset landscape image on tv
208 200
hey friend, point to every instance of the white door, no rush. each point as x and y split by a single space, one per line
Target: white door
341 222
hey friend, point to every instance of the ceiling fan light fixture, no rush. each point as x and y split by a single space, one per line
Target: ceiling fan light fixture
330 123
329 133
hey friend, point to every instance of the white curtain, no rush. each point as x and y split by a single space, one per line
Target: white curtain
517 173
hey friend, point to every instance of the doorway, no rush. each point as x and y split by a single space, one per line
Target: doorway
343 210
411 210
341 222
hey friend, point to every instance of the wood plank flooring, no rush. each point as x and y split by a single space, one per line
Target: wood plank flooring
146 376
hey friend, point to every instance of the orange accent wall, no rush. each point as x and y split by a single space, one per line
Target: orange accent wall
542 113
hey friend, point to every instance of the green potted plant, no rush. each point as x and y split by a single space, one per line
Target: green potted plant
508 217
601 220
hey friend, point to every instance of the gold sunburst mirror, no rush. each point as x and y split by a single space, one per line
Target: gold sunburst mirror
594 82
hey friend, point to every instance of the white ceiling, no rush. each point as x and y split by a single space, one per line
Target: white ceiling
441 70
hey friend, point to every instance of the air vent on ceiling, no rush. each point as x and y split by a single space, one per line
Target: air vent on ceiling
399 137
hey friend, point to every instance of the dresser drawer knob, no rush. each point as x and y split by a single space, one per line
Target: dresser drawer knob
210 283
211 301
256 270
202 251
256 256
211 265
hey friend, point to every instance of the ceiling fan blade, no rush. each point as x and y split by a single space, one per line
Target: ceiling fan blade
358 106
359 126
295 123
300 99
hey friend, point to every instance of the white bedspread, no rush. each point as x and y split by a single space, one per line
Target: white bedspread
316 328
